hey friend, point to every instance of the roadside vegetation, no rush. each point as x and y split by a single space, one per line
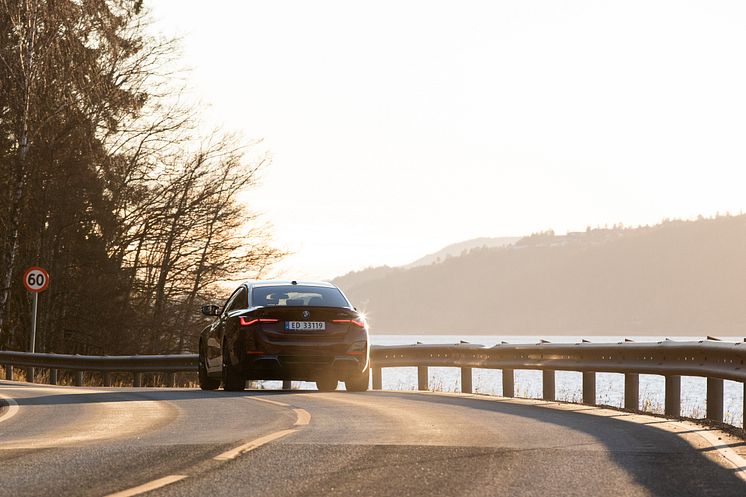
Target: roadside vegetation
108 181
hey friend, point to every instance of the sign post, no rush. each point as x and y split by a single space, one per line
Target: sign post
36 280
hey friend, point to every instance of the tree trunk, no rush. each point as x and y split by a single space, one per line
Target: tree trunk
27 48
9 259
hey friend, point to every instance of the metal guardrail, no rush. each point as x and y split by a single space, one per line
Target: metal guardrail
135 364
716 361
712 359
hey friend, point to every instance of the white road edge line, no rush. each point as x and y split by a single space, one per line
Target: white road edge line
147 487
237 451
736 460
12 409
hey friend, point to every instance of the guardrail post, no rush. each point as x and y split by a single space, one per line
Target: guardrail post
52 376
715 399
287 385
30 375
547 384
632 391
421 377
673 396
170 379
508 383
589 387
377 380
9 372
466 380
78 378
106 378
136 380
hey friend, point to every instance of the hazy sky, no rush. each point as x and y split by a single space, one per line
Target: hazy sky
397 128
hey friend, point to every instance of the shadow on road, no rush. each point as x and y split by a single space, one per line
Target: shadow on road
661 461
115 394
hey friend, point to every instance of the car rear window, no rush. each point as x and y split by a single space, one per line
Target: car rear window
298 295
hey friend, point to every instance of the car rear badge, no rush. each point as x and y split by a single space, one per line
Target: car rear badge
306 314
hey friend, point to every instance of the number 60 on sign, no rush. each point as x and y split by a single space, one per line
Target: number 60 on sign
36 279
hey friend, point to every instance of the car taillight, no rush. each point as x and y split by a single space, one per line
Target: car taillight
248 322
360 324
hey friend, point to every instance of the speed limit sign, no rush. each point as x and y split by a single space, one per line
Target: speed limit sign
36 279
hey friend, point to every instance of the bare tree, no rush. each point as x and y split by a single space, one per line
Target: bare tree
54 60
104 185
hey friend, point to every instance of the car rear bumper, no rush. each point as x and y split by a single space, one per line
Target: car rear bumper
302 368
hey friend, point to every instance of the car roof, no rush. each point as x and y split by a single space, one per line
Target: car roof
254 283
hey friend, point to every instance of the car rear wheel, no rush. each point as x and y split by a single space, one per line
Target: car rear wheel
205 382
326 384
233 380
359 383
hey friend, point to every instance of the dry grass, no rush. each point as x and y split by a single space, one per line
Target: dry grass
96 379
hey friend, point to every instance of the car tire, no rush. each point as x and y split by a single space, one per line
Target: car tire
205 382
233 380
326 384
359 383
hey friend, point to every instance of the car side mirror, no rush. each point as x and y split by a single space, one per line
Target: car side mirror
211 310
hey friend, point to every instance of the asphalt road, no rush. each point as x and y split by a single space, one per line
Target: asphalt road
62 441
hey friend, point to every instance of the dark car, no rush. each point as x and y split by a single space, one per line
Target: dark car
273 330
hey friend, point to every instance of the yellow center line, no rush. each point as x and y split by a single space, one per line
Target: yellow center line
303 418
273 402
248 446
147 487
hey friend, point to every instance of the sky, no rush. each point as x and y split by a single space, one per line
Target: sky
397 128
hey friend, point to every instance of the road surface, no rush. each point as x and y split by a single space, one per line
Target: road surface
63 441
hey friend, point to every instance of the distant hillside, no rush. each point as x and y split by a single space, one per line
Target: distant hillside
354 279
459 248
679 277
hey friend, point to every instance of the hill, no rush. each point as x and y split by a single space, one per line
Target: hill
354 279
459 248
675 278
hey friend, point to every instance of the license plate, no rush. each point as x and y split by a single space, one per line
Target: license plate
305 325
